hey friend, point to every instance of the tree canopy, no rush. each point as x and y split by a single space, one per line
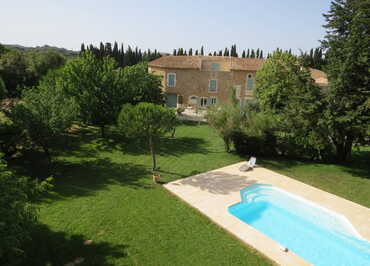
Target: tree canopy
348 52
149 121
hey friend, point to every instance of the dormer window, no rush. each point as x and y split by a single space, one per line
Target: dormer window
171 79
249 82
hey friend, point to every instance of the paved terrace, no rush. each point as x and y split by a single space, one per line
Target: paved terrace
213 192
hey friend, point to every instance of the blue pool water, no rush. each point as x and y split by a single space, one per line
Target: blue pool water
318 235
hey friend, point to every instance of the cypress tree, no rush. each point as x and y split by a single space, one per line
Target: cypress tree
214 53
220 53
196 52
248 53
209 54
258 53
261 54
191 52
253 54
243 54
202 50
185 52
174 52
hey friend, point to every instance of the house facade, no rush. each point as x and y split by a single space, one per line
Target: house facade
207 80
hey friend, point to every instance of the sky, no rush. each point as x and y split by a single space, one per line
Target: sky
165 24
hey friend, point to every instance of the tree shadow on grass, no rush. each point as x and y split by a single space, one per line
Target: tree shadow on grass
86 177
358 166
218 182
165 146
58 248
83 178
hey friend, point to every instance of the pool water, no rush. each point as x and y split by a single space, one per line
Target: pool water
318 235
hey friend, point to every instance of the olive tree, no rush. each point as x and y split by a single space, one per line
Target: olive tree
94 84
148 121
44 113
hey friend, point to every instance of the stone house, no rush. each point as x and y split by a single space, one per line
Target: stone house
206 80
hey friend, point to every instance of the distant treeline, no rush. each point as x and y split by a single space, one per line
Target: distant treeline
247 53
124 57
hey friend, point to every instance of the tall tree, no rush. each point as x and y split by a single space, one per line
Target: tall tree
253 54
191 52
95 85
348 51
196 52
174 52
45 112
202 50
243 54
148 121
248 53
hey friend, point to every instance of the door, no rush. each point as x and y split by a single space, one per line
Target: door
171 99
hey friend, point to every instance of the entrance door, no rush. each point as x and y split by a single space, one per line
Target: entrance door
171 99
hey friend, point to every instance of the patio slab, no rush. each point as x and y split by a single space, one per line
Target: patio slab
213 192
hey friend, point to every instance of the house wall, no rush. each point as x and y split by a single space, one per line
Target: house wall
195 82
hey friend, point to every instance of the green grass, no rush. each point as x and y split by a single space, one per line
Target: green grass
350 181
104 193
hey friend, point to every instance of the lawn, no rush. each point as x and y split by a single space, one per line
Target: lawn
350 181
104 193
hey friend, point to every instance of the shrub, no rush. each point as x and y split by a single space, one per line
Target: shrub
18 214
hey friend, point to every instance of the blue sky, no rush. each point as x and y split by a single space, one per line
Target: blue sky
165 24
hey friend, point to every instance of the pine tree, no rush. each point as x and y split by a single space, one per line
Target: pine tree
347 49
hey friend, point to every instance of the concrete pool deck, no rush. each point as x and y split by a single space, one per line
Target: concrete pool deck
214 191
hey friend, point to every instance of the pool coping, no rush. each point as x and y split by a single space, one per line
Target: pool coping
213 192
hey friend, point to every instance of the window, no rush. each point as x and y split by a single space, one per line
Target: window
171 79
249 82
193 99
203 101
213 100
215 67
212 85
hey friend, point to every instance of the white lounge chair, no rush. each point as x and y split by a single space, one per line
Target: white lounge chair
248 165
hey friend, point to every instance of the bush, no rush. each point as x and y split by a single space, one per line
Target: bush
18 214
11 136
180 110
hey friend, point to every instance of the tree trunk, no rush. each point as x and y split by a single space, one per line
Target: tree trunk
152 151
47 153
102 131
344 149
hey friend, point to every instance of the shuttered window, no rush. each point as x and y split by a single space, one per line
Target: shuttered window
171 79
212 85
249 82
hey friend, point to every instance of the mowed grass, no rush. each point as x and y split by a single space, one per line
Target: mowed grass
350 181
104 193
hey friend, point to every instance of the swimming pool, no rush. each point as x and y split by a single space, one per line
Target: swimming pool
318 235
